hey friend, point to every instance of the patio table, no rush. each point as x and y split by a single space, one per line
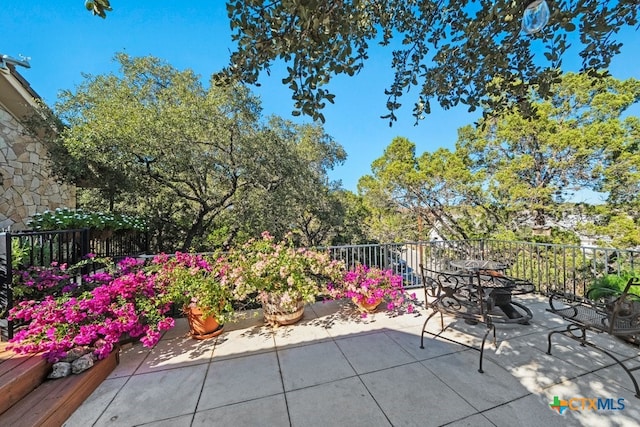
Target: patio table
490 273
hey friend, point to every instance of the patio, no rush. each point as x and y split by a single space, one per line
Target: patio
336 369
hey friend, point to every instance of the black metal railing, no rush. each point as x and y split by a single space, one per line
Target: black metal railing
119 244
563 268
42 248
550 267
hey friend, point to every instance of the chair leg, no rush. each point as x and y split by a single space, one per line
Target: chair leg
549 340
583 342
424 326
490 327
526 313
570 332
619 362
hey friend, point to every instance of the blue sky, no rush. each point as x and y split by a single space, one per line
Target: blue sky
64 41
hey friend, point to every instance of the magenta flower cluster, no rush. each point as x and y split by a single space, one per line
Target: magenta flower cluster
125 301
36 281
371 285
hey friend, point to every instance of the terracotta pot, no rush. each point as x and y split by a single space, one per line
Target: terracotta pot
365 306
202 327
276 315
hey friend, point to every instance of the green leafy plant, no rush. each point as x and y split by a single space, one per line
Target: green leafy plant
193 280
19 252
264 269
611 284
66 219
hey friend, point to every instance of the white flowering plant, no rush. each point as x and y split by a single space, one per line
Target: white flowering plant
67 219
264 268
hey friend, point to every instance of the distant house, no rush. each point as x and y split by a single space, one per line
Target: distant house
28 185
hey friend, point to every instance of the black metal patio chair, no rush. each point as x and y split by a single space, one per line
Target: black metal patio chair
466 296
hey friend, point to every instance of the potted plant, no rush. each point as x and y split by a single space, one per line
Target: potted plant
609 285
281 277
368 287
200 286
607 289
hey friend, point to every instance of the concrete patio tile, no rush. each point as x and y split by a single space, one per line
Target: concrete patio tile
335 368
312 365
180 330
91 409
392 320
409 340
615 345
244 342
340 317
241 379
616 374
177 352
526 359
130 360
548 320
327 307
478 420
413 395
469 335
407 320
371 352
299 335
503 331
245 319
532 298
483 391
155 396
306 331
348 320
339 403
266 411
569 350
181 421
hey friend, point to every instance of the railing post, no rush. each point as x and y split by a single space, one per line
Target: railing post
8 285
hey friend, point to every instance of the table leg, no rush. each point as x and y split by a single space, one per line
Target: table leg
502 300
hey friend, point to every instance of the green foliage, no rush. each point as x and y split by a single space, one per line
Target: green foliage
277 269
510 174
98 7
156 142
602 286
556 236
417 194
454 51
532 166
620 227
352 230
19 253
447 48
69 219
194 280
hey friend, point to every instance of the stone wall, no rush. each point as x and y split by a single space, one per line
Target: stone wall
27 183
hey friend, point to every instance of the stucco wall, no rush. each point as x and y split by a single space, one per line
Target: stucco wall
27 184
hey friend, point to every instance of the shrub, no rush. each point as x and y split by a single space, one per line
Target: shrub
126 301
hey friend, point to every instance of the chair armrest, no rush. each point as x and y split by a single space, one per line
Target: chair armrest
625 305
